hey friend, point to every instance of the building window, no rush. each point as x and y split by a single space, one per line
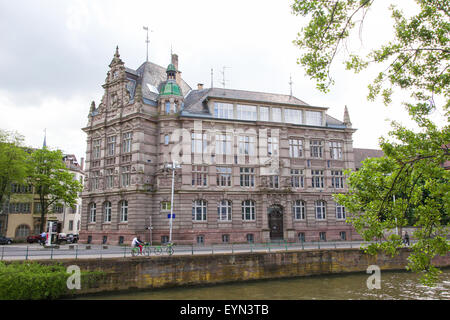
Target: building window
223 176
343 235
224 210
297 178
314 118
96 148
198 143
70 225
272 146
17 207
223 110
299 209
322 236
276 114
121 239
337 179
95 180
335 150
167 107
111 145
273 182
200 176
246 145
247 177
105 239
301 237
89 239
166 139
125 176
317 178
201 239
109 178
199 210
165 206
127 142
316 148
22 231
92 212
18 188
250 238
124 211
107 211
225 238
263 113
223 144
295 148
340 212
293 116
164 239
248 210
245 112
320 207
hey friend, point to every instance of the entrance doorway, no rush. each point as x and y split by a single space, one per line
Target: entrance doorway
275 222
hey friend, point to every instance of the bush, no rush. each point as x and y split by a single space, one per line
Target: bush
33 281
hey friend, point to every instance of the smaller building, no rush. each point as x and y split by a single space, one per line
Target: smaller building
362 154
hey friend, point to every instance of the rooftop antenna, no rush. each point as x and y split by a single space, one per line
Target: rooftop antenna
147 41
44 145
290 85
212 77
223 76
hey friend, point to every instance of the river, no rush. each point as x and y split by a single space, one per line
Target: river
395 285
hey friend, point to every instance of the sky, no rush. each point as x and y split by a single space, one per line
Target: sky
54 56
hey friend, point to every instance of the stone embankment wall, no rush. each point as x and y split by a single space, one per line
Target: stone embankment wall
170 271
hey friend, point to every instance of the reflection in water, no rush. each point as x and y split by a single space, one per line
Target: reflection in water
394 285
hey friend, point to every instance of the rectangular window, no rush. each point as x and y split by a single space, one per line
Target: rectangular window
293 116
223 144
70 225
314 118
247 177
223 176
111 145
198 143
272 146
343 235
317 178
109 178
245 112
322 236
337 179
95 185
297 178
276 114
320 207
263 114
199 210
200 176
166 139
225 238
165 206
295 148
125 176
96 148
274 182
316 148
127 142
248 210
340 212
247 145
335 150
250 238
167 107
223 110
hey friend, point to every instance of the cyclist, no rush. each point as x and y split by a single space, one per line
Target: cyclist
137 243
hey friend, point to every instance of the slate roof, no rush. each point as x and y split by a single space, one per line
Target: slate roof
362 154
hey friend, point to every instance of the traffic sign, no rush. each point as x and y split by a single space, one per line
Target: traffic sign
173 216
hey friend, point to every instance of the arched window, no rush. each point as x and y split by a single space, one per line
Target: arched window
107 211
224 210
299 210
22 231
320 207
248 210
199 210
123 211
92 212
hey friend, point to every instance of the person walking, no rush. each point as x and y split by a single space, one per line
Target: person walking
406 238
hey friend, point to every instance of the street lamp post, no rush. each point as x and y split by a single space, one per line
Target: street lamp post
172 167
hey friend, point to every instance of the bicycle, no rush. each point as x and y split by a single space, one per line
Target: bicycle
146 250
168 249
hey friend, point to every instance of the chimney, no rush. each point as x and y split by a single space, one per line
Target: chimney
82 163
199 86
175 63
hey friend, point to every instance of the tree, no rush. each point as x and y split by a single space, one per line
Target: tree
13 164
409 184
53 182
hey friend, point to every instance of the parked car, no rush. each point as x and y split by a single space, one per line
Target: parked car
5 240
72 238
34 239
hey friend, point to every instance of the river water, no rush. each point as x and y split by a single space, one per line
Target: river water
395 285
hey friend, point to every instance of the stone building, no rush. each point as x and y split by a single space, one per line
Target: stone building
255 166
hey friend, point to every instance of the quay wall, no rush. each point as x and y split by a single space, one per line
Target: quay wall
121 274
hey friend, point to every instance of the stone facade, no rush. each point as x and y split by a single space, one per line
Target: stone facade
218 136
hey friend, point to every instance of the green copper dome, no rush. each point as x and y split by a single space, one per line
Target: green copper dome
171 67
170 88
